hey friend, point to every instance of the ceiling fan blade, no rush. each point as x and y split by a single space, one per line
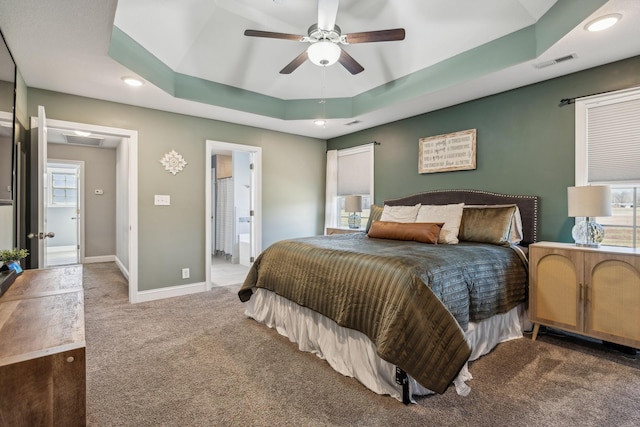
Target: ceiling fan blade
272 35
291 66
376 36
349 63
327 12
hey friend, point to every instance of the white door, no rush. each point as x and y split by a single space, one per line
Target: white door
64 212
252 207
38 237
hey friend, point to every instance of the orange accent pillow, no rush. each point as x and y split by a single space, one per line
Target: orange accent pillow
424 232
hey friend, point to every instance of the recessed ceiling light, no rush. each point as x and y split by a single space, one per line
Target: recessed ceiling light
319 122
81 133
132 81
603 22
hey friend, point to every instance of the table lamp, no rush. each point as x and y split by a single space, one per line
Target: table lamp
353 204
589 202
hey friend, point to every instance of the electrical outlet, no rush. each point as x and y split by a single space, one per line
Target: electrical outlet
185 273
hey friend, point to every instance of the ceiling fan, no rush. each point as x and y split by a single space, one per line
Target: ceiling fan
325 38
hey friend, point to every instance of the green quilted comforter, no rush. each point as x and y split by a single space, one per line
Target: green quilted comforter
413 300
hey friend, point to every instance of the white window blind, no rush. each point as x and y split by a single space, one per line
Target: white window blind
355 170
613 141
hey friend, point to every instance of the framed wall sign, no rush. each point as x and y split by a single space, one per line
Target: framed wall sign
449 152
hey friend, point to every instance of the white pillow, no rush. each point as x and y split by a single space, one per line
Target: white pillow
449 214
399 213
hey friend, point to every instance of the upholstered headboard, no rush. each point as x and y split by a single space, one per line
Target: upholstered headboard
528 205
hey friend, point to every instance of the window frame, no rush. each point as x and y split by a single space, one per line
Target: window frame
582 107
55 171
341 214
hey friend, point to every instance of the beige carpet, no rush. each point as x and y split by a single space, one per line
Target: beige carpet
197 361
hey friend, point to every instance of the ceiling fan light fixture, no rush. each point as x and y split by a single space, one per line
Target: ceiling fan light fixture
324 53
603 22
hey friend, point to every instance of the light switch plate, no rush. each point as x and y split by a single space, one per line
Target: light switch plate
162 200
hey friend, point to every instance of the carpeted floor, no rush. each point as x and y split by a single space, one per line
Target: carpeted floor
198 361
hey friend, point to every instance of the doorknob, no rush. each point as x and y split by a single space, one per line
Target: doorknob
41 236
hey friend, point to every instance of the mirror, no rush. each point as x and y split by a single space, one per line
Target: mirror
7 147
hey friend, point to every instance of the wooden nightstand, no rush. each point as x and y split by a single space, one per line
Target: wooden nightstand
590 291
336 230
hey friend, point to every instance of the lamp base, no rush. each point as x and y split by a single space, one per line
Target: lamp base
588 233
355 221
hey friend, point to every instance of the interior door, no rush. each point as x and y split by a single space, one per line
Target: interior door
252 207
39 235
64 212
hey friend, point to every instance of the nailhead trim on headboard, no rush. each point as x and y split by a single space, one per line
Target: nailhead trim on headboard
528 205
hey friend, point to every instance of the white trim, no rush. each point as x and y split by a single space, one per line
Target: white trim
212 146
132 137
171 291
97 259
122 268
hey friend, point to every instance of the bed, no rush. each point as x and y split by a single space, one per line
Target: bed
437 280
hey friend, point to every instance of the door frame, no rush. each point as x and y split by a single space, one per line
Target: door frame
212 147
79 164
131 137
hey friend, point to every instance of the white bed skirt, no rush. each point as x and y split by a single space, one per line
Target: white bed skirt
353 354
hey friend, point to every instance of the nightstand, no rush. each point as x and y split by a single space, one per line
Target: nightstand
591 291
337 230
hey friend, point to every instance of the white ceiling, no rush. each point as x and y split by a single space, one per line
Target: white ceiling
62 45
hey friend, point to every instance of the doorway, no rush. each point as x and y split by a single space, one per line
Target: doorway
233 210
126 188
65 184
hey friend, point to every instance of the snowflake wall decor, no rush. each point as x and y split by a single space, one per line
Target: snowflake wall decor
173 162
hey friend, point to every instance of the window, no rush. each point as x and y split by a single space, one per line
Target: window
608 152
64 188
354 176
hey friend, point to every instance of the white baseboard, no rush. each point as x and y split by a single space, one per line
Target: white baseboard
96 259
122 268
170 292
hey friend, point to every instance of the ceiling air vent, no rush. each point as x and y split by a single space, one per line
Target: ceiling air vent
556 61
91 141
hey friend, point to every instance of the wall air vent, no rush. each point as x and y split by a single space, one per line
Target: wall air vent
91 141
555 61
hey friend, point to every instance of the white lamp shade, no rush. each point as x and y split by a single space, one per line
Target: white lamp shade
353 204
324 53
589 201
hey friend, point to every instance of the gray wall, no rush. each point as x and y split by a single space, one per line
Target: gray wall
99 210
525 143
173 237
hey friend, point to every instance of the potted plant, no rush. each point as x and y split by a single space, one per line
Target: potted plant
11 258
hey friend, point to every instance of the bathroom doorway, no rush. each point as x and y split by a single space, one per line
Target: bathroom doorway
233 229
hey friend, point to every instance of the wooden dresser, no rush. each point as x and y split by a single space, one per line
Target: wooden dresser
42 349
590 291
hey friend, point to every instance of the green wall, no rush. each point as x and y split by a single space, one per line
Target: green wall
525 143
173 237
